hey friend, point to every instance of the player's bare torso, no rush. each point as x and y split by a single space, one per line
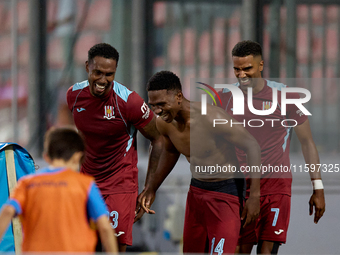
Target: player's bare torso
205 150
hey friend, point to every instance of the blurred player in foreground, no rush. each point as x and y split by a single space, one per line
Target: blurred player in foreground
57 205
109 115
271 227
212 217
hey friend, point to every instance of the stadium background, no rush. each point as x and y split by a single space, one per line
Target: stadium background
44 44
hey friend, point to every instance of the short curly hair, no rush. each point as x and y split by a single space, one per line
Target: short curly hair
164 80
246 48
63 142
102 50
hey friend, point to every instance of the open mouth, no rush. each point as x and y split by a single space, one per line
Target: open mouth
165 117
100 88
245 81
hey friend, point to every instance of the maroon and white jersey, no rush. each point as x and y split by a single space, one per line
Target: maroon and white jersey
109 125
273 136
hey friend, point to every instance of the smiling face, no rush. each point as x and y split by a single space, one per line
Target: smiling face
101 73
165 103
248 71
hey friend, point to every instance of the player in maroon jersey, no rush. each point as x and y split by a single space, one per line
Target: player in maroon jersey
271 227
109 115
212 216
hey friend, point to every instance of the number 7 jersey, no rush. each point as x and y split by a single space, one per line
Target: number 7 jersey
273 134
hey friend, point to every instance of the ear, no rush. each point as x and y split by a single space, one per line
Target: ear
87 66
179 96
261 65
47 158
77 157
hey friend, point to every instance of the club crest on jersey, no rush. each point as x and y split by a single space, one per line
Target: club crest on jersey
266 105
299 112
109 113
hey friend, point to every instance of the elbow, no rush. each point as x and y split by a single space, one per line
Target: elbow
255 147
8 211
157 143
307 144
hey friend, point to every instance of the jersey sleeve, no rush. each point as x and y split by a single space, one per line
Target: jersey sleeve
139 113
18 197
293 112
68 98
224 96
95 204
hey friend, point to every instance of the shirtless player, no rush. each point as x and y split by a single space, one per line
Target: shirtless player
212 218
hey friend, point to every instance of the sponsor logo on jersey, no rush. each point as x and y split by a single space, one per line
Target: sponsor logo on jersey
119 233
145 110
279 232
109 113
266 105
80 109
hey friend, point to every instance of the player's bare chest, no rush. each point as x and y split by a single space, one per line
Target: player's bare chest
181 140
202 141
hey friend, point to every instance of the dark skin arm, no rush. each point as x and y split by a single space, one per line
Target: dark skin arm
150 132
241 138
310 153
167 161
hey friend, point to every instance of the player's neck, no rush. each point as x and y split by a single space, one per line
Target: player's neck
259 86
183 115
73 163
260 82
59 163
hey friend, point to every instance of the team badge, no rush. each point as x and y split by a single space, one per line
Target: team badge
299 112
109 113
266 105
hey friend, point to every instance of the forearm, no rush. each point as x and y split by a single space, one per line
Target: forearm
109 241
254 162
155 152
311 157
251 208
6 215
162 158
166 163
309 150
107 236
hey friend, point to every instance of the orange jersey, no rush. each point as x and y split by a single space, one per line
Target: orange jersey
55 206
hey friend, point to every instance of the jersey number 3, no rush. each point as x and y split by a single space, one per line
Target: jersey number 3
114 216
